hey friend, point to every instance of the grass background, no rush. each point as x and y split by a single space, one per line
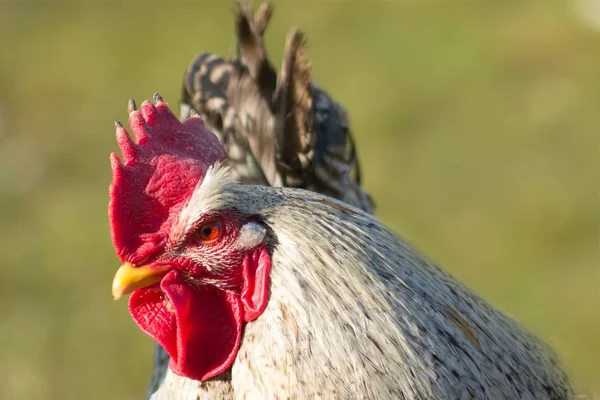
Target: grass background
477 124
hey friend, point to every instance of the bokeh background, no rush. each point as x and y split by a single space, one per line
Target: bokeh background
477 124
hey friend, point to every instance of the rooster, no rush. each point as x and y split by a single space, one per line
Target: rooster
261 292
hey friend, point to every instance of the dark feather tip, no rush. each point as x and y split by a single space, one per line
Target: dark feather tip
131 107
118 124
156 98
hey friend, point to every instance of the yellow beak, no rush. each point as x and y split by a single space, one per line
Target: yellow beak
129 278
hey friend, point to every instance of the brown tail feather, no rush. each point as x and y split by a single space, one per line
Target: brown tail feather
293 102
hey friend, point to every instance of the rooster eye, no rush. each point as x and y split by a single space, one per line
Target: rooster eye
209 232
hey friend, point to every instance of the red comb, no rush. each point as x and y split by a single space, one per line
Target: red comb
160 170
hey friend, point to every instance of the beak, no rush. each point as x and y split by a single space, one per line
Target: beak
129 278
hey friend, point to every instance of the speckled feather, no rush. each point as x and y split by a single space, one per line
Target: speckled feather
356 313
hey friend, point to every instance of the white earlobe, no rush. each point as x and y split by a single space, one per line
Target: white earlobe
251 235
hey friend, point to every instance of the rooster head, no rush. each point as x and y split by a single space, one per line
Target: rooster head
196 273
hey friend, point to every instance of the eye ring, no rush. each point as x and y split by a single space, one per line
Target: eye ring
209 232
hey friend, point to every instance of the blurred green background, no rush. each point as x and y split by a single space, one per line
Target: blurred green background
477 124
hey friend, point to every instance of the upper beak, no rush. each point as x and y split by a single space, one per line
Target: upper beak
129 278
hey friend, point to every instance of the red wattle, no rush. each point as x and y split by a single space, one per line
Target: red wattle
255 290
199 326
150 311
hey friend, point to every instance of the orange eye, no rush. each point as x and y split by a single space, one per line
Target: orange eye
210 231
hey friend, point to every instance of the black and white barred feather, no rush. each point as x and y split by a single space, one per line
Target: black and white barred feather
280 130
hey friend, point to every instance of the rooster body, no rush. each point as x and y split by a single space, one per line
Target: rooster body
355 313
